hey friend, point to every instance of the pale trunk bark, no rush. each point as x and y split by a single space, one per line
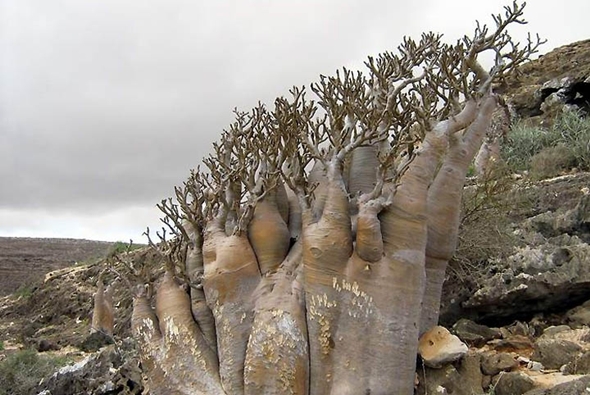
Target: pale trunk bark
277 359
231 275
444 204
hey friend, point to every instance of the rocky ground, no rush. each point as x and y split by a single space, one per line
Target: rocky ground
535 304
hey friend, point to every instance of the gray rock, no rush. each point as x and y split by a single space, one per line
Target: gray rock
519 329
554 353
474 334
575 387
464 379
535 366
580 365
470 373
579 316
539 278
109 372
512 343
554 330
574 221
513 383
495 363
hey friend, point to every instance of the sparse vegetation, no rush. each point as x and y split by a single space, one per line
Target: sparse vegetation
485 225
120 247
547 151
574 129
21 372
24 291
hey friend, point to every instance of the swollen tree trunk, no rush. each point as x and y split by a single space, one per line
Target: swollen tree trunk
195 271
319 278
444 204
103 316
231 275
172 347
277 357
327 246
336 312
268 232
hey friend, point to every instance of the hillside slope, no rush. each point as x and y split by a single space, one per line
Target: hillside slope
25 260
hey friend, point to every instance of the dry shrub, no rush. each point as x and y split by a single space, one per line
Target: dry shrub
22 371
485 231
551 162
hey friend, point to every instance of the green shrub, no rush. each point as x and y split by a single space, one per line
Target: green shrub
22 371
24 291
574 130
1 346
120 247
570 132
523 143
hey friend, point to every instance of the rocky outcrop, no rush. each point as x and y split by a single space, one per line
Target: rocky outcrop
113 371
538 278
549 272
558 79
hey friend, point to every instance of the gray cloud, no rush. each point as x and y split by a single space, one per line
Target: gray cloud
106 105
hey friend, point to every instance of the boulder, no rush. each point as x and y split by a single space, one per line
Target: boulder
580 386
438 347
554 353
555 330
580 365
512 343
579 316
514 383
464 379
474 334
492 364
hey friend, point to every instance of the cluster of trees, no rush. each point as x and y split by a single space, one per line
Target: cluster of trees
310 255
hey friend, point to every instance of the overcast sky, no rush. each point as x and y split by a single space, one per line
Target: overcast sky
105 105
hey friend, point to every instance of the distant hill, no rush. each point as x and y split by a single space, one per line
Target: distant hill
24 260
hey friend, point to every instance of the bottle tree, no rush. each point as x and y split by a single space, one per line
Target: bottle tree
310 254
